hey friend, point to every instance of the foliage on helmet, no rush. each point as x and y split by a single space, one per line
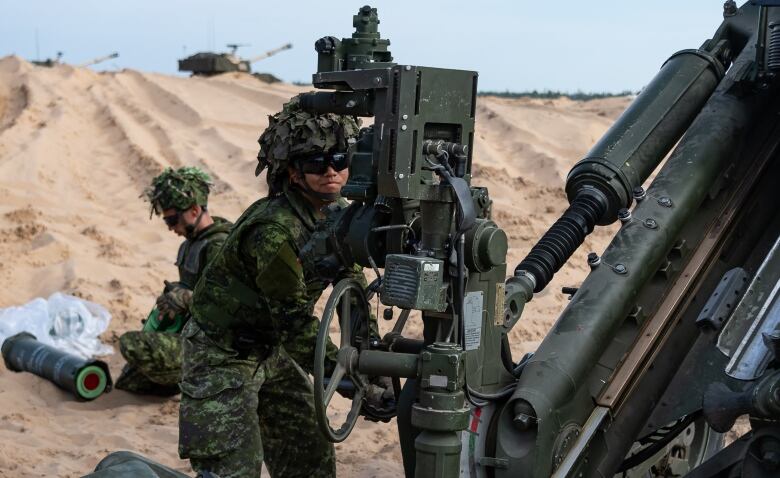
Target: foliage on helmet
178 189
293 133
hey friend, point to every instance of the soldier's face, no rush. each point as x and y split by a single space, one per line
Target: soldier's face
177 221
329 182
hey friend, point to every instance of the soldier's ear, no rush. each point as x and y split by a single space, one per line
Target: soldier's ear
194 211
294 175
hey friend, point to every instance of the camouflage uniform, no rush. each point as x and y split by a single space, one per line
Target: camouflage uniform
153 358
246 396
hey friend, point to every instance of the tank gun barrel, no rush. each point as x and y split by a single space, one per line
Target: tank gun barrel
99 59
270 53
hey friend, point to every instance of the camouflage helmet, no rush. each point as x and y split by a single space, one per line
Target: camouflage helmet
294 132
178 189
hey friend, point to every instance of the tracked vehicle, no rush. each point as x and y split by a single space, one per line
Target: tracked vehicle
209 63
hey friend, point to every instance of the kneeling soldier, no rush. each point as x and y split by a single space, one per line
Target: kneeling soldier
153 357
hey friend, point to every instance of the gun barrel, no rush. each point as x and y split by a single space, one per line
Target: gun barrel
270 53
87 379
99 59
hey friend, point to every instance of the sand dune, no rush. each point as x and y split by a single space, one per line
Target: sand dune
77 149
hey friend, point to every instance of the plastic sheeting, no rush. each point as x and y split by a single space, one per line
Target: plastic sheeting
63 321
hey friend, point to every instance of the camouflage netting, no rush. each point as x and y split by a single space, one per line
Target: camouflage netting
293 132
179 189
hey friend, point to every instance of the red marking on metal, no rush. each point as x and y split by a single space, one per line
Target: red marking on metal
475 420
91 381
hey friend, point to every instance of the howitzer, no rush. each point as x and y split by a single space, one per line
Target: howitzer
674 333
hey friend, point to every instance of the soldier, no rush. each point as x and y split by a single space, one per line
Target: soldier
246 396
154 358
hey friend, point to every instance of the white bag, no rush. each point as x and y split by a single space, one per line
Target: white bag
63 321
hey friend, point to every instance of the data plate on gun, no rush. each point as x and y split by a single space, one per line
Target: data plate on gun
472 319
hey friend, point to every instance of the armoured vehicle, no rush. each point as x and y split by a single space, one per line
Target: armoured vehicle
49 62
209 63
674 333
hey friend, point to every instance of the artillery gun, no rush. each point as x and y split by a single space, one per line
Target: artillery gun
50 62
674 333
99 59
209 63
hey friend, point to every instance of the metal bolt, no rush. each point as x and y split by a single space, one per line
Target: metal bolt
639 193
771 459
405 117
426 356
407 68
729 8
650 223
523 421
620 268
593 260
624 215
403 127
665 201
378 80
351 103
453 359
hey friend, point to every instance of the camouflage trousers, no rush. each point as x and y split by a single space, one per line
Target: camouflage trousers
237 413
153 363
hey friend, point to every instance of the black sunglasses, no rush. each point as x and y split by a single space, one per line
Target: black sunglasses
319 164
172 220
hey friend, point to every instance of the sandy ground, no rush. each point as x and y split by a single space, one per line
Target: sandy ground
77 149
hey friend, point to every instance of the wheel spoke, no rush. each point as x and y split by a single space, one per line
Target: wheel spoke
335 378
360 383
345 317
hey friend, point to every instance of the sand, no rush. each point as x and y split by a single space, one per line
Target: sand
77 148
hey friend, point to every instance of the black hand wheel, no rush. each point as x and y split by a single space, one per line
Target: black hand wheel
349 300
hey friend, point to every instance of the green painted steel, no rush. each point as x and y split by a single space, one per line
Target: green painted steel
584 401
642 136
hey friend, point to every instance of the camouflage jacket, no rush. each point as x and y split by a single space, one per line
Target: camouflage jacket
255 293
195 253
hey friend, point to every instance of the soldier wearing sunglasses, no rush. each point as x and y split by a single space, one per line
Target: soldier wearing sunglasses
246 395
154 358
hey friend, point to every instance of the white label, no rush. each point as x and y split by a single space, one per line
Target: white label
431 267
472 319
438 381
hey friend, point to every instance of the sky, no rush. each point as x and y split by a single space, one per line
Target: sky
566 45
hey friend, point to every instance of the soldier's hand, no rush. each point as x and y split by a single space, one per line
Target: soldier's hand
176 300
380 404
